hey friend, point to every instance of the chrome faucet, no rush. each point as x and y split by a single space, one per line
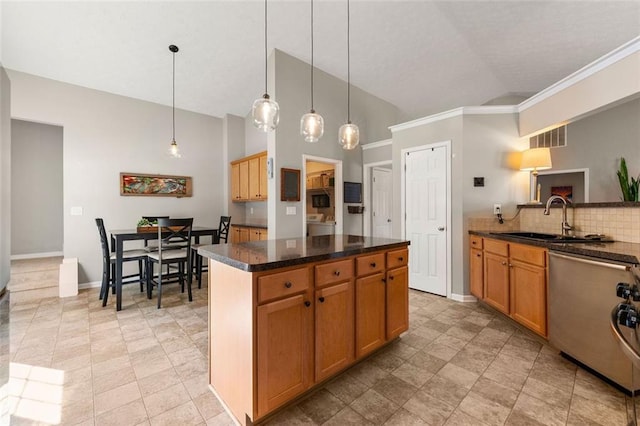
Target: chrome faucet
565 225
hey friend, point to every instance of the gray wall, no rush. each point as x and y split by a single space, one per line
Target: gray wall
5 179
597 142
105 134
36 193
375 155
291 86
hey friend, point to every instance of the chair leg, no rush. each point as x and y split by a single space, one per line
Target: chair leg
199 267
160 287
113 274
189 288
181 276
108 276
149 278
141 275
104 286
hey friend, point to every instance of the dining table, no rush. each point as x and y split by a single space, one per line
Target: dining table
119 236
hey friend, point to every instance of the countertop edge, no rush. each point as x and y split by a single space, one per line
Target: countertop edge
596 250
259 267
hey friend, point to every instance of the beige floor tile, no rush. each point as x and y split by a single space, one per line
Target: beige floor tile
412 374
291 416
109 381
473 358
222 419
166 399
541 411
158 381
374 407
132 413
494 391
185 414
395 389
548 393
403 417
485 410
597 412
346 388
510 379
321 406
460 418
432 410
445 390
367 373
208 405
116 397
458 375
427 362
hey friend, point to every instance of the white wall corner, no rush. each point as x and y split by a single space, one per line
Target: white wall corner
465 298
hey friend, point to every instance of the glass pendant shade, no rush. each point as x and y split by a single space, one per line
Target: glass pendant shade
312 127
349 136
265 113
174 151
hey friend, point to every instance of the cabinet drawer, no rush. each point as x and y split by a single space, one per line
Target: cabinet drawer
369 264
497 247
475 241
529 254
333 272
397 258
282 284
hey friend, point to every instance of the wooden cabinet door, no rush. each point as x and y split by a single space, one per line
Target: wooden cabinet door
243 235
334 329
263 177
284 356
254 178
529 296
370 313
235 182
496 284
264 234
397 301
254 234
475 273
243 180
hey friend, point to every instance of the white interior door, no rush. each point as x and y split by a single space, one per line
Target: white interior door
426 218
381 202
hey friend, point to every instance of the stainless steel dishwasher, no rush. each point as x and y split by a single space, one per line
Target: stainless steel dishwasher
582 292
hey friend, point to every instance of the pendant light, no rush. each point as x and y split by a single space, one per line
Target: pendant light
173 148
265 111
349 134
312 124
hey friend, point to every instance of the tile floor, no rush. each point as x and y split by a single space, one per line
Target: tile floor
74 362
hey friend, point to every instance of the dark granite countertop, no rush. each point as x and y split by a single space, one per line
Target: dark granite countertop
609 204
250 225
257 256
617 251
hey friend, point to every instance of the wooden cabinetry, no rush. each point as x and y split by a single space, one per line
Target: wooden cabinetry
513 280
370 313
249 178
242 234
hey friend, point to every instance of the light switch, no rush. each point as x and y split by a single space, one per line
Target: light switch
291 211
76 211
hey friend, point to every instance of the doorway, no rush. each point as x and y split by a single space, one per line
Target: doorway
322 195
426 205
367 194
381 206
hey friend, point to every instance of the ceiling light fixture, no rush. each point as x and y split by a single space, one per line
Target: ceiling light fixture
312 124
173 148
349 134
265 111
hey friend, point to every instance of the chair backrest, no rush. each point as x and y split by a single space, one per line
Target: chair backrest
223 229
174 233
103 240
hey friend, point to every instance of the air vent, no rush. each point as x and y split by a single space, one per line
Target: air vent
552 139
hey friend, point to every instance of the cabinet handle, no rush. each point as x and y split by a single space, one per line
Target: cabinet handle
401 259
384 280
336 273
391 277
287 284
373 264
307 303
504 263
321 299
473 242
478 255
510 265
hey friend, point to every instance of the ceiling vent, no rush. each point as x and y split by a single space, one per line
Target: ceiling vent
552 139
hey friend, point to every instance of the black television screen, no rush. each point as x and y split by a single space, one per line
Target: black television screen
352 192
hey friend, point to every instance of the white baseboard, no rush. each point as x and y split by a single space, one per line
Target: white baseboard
92 284
36 255
463 298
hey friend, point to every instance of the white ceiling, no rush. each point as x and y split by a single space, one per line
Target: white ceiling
422 56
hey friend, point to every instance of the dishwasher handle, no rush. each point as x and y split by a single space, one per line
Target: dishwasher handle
627 348
592 262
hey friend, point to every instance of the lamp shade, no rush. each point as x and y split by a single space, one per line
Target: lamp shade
536 159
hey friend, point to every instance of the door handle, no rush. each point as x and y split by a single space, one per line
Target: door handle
440 228
388 220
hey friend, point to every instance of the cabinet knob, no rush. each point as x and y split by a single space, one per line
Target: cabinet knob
287 284
384 280
510 265
321 299
504 263
373 264
401 259
473 242
307 303
336 273
391 277
478 255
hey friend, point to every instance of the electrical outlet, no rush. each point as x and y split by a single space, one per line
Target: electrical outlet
497 209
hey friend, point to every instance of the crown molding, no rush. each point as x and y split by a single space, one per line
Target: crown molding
468 110
376 144
627 49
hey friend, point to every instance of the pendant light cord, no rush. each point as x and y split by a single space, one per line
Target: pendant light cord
266 59
174 97
311 55
348 64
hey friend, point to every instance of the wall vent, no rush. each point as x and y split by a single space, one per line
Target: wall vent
552 139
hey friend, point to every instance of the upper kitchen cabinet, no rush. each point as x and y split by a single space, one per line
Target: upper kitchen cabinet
249 178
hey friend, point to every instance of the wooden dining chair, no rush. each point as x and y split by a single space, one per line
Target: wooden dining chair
174 249
109 265
223 235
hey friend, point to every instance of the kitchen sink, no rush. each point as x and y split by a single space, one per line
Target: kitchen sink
555 238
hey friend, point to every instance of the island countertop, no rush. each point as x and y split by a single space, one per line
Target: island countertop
272 254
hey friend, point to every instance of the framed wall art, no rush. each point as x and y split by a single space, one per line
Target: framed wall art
289 184
138 184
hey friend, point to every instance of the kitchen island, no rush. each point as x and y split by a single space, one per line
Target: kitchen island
287 315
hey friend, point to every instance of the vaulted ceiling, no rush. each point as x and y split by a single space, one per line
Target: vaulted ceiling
422 56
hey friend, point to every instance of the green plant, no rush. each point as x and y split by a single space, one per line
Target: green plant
630 187
143 222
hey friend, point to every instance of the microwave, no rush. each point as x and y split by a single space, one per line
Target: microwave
320 201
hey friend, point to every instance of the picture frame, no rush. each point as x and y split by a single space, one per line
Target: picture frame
147 185
289 184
